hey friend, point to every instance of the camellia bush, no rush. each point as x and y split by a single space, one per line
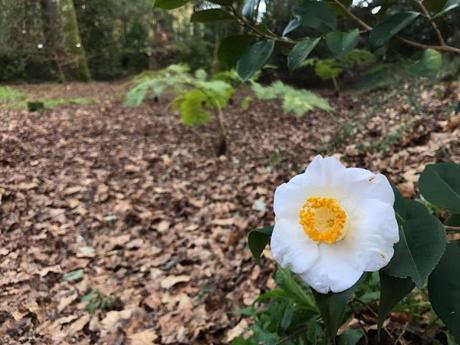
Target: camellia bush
335 227
345 237
317 23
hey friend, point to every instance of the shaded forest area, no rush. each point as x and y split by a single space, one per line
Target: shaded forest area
82 40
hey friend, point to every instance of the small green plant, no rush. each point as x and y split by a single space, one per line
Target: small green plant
96 300
195 98
332 68
275 158
9 95
35 106
298 102
246 103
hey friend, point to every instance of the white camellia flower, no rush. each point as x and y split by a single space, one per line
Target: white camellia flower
334 223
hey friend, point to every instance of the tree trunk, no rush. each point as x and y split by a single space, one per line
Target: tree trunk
62 35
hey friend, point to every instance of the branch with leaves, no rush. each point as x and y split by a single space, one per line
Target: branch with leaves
249 55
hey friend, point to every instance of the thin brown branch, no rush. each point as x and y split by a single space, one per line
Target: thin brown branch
452 228
445 48
254 29
367 27
433 23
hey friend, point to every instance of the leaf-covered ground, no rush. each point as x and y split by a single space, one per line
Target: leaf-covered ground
120 226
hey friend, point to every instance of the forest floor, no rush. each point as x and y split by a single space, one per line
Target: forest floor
120 226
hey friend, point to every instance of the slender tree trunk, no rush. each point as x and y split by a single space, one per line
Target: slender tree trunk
62 35
221 147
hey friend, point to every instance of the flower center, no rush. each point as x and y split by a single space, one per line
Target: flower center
323 220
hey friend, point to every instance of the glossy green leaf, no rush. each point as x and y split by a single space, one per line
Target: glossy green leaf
341 43
332 307
301 51
449 6
258 240
390 26
400 205
421 244
316 15
444 289
232 48
169 4
254 58
210 15
392 291
440 185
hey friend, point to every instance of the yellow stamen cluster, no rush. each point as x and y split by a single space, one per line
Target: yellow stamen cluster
323 220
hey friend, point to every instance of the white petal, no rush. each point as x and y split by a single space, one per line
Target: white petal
326 175
291 247
289 197
334 270
373 233
363 184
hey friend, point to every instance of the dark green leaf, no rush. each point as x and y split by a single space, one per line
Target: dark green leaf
332 307
421 244
392 291
272 294
440 185
444 289
258 239
340 43
390 26
287 316
169 4
294 289
449 6
400 204
301 51
211 15
350 337
232 48
254 59
316 15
